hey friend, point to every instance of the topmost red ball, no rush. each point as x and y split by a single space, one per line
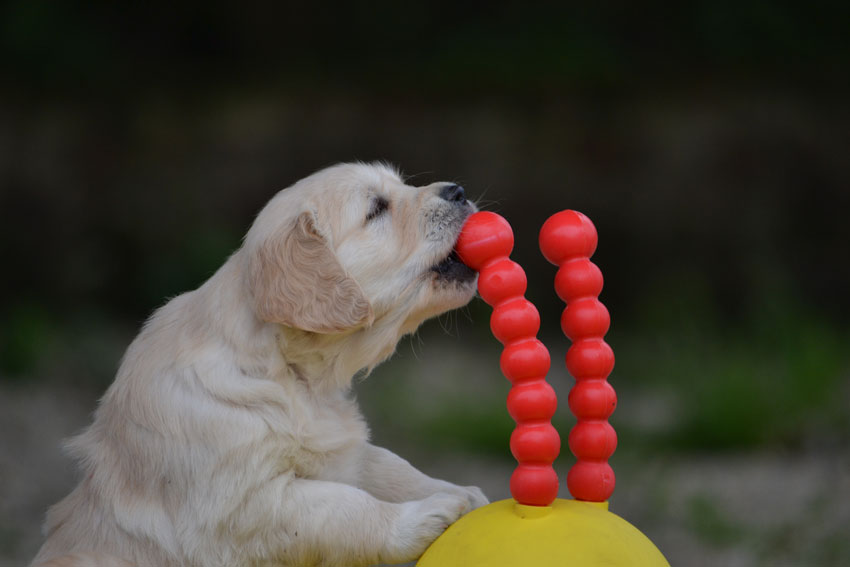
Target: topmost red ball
566 235
484 236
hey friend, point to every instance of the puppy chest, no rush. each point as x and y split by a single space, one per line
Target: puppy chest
319 439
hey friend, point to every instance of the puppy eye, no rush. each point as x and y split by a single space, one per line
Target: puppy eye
379 207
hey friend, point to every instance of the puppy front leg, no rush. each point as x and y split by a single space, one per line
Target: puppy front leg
387 476
320 522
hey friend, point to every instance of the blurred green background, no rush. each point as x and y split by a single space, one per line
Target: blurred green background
708 141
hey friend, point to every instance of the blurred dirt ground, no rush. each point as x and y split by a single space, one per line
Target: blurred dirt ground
766 507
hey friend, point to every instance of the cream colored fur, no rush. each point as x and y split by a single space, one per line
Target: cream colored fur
229 437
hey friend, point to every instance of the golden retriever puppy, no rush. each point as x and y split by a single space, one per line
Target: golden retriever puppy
229 437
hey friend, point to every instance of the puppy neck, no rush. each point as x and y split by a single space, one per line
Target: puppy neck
330 361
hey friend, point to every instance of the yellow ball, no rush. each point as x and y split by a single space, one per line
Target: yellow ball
569 532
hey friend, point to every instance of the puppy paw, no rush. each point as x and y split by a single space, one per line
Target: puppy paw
421 522
475 496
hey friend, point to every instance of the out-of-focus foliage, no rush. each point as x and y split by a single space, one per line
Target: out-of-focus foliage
707 141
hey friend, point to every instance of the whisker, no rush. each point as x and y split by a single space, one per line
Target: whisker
416 340
405 178
467 313
445 322
486 204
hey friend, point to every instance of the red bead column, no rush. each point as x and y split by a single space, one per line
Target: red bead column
484 245
568 239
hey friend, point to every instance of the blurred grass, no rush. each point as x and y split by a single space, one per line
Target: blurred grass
25 332
775 376
709 523
87 338
687 380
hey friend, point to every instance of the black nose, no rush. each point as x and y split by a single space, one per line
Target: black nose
453 193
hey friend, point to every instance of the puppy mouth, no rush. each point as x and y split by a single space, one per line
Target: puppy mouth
451 269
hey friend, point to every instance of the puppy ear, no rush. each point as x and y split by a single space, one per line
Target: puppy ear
297 281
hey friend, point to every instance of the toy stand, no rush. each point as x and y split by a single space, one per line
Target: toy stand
535 527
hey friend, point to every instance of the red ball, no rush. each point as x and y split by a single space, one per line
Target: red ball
484 236
529 401
565 235
592 399
585 318
525 359
534 484
578 278
590 358
593 440
535 443
514 319
591 481
501 280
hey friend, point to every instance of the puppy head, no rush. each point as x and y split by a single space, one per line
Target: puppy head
353 244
